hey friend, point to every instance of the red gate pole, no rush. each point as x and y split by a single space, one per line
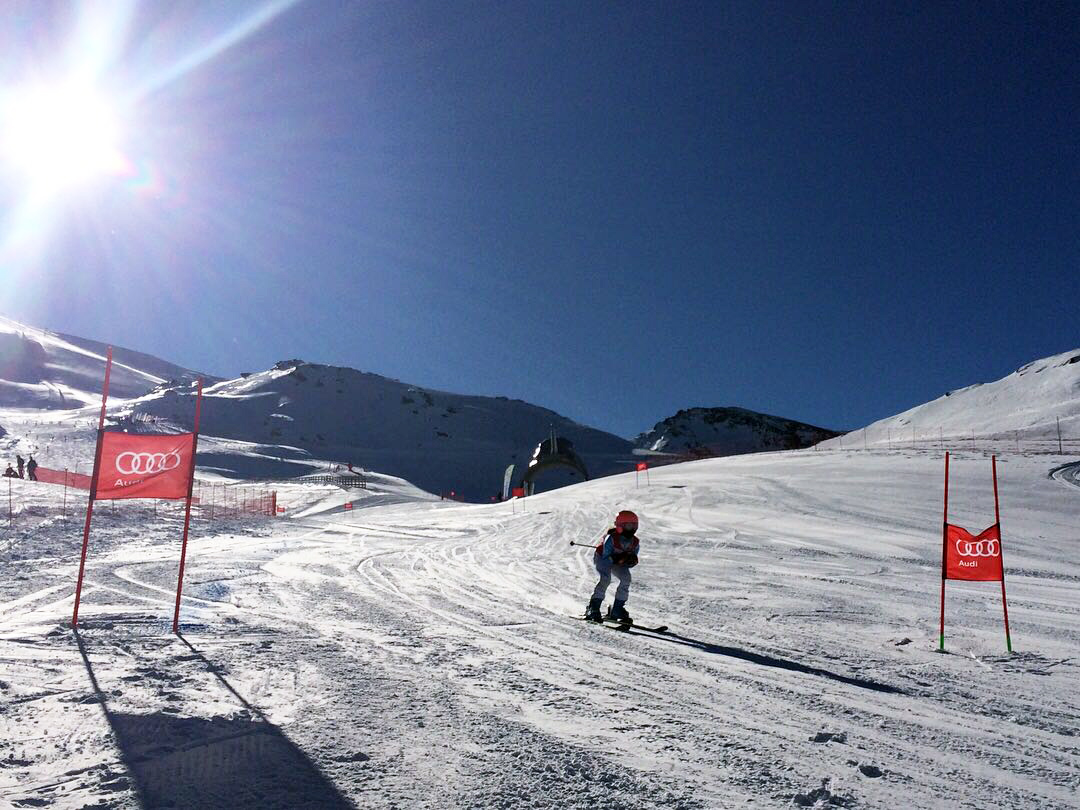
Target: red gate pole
93 489
187 512
944 553
1001 551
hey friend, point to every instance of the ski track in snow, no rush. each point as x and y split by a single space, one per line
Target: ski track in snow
426 655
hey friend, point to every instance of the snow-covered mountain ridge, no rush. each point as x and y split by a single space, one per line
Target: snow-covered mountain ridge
281 421
49 370
705 432
438 440
1031 403
284 420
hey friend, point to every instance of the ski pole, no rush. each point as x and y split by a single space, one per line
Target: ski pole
592 544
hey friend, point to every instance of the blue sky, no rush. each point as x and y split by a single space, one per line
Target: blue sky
830 212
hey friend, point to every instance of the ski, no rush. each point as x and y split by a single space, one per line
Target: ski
624 627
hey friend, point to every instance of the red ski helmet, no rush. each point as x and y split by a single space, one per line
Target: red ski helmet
626 521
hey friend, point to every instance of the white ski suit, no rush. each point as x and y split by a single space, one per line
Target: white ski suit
616 555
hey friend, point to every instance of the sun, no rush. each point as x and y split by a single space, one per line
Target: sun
58 136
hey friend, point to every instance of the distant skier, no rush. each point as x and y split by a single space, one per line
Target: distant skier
19 460
31 469
10 472
616 555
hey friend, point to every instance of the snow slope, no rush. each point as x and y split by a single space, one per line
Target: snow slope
707 432
440 441
47 370
1029 403
424 654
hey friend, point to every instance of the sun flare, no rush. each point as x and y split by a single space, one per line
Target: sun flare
58 136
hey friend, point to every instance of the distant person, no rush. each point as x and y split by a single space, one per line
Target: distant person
10 472
31 469
19 460
616 555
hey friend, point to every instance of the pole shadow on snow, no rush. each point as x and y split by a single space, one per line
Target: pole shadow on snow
217 763
768 661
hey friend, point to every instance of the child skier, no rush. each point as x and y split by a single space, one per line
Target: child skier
616 555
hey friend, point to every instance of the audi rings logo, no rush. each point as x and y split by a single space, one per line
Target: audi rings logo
978 548
129 463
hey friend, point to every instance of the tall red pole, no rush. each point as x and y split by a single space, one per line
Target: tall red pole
93 488
944 553
187 511
1001 551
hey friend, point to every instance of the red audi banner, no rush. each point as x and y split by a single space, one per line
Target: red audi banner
145 466
975 558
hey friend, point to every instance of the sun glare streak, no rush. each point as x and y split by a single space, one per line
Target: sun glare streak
98 35
240 31
68 122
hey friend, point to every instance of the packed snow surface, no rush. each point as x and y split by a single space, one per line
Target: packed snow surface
416 653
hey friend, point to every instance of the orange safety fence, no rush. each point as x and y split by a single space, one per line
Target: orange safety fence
214 500
71 479
219 500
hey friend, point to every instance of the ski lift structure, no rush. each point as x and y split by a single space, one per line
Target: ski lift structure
552 452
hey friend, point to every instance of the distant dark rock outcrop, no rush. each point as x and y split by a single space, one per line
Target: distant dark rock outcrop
707 432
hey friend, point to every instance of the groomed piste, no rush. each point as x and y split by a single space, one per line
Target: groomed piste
418 653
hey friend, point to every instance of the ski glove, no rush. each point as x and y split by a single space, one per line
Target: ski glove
627 558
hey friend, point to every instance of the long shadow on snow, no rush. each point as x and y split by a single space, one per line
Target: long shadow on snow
766 660
217 763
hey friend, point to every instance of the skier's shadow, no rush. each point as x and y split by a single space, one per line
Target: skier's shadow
767 660
216 763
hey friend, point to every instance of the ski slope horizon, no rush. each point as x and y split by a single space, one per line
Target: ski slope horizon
279 423
422 653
